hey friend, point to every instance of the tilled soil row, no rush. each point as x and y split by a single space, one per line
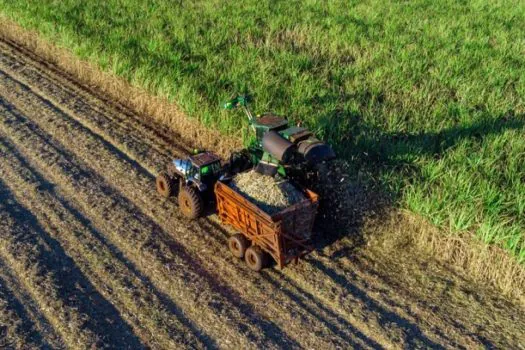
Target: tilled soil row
75 309
70 92
460 311
154 318
132 179
21 324
401 325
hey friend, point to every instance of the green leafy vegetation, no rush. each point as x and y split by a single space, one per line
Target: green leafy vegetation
427 96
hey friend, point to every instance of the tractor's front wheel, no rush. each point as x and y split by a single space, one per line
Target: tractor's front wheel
165 185
190 202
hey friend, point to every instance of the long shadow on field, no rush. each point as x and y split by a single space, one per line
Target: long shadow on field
76 290
399 148
26 325
412 334
365 262
165 300
270 331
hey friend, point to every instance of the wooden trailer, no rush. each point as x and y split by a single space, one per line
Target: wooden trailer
285 236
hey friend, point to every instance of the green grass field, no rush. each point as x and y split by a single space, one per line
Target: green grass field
428 96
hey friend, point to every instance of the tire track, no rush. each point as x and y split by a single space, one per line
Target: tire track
132 293
345 329
69 302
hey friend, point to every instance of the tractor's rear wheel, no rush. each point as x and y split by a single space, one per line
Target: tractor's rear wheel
238 245
255 258
165 185
190 202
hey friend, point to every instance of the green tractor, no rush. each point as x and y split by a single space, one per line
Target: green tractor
278 148
192 180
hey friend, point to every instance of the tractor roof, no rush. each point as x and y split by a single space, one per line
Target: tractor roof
271 121
204 158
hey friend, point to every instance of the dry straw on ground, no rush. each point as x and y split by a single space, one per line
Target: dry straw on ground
483 264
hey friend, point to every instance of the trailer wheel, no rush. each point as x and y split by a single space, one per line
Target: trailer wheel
190 202
255 258
165 185
238 245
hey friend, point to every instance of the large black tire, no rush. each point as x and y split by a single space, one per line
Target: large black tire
190 202
238 245
165 185
255 258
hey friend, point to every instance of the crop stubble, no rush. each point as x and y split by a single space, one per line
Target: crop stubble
22 323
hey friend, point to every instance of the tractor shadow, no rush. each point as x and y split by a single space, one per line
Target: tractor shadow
352 191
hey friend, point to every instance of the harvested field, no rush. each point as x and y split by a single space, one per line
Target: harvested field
90 255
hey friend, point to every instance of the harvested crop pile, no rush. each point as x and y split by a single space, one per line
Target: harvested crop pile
268 193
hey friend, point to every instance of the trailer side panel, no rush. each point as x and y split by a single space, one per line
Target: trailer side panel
284 236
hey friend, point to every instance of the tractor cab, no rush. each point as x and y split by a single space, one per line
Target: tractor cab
201 170
192 180
206 169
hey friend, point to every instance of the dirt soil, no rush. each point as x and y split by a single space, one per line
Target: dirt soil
91 256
